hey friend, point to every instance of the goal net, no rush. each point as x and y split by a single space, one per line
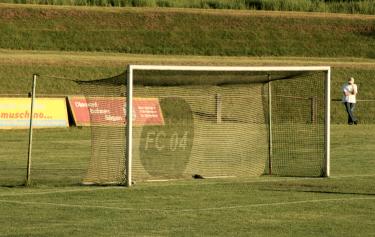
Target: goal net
208 122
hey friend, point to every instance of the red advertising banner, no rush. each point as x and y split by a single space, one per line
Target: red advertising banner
112 111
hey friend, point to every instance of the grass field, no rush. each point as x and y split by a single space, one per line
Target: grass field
60 156
58 69
342 205
67 43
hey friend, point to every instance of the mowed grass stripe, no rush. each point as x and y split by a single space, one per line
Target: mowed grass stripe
36 191
57 70
222 208
54 58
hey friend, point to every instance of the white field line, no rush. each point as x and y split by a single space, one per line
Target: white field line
186 210
352 176
93 189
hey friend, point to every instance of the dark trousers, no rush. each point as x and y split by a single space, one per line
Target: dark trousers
350 110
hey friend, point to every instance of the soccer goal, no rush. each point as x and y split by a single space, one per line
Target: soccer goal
209 122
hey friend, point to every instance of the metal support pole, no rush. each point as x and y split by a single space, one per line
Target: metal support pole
327 158
129 127
269 125
28 174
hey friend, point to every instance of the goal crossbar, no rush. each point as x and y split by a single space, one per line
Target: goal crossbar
227 68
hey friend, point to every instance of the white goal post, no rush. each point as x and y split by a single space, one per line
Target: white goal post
129 101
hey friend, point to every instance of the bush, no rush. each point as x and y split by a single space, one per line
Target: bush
336 6
143 3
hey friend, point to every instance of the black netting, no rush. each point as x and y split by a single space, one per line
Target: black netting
211 124
106 100
298 107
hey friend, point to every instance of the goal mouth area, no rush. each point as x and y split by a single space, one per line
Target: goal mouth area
214 121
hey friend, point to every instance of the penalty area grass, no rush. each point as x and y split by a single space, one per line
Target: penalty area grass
255 207
342 205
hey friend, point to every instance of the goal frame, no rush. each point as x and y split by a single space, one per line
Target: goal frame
129 101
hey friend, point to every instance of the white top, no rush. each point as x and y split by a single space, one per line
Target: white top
350 92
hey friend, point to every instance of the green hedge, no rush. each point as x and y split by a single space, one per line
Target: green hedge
158 31
338 6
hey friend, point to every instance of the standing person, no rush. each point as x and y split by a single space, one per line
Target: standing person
350 91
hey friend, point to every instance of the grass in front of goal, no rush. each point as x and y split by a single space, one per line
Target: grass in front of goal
342 205
258 207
